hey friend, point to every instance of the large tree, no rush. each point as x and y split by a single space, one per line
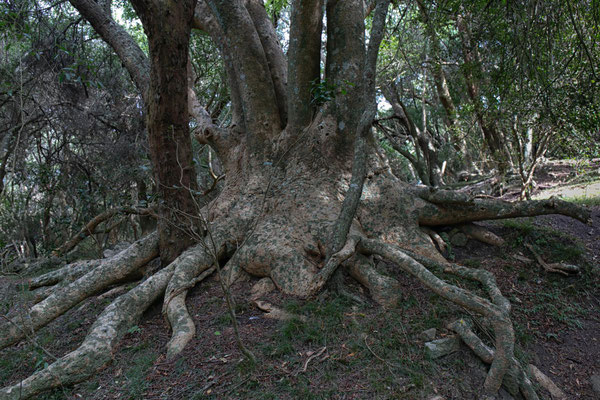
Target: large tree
308 192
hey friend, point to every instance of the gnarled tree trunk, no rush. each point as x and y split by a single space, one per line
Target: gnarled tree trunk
307 189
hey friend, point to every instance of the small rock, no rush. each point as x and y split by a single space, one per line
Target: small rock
436 398
428 335
442 347
595 379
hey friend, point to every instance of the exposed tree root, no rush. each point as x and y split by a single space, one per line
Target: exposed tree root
332 264
437 239
261 288
559 268
383 289
286 250
69 273
481 234
496 311
190 265
98 346
546 383
275 312
110 271
517 378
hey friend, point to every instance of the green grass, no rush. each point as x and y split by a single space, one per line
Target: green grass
584 200
555 246
134 378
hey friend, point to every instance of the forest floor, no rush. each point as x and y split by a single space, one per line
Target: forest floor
345 350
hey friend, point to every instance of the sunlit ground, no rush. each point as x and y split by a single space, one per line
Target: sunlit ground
585 193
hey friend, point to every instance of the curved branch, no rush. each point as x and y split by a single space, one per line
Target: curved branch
130 54
90 227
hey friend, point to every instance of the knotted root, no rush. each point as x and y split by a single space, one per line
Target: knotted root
110 271
98 346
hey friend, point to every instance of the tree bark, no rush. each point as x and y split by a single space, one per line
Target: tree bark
304 60
168 26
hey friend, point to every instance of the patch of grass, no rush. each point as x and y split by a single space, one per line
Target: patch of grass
357 338
553 245
10 362
472 263
584 200
135 382
555 303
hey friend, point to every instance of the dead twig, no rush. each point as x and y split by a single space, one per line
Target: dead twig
559 268
309 359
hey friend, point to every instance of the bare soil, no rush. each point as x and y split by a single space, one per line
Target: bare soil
347 350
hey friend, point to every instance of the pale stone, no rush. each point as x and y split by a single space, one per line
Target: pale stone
428 335
442 347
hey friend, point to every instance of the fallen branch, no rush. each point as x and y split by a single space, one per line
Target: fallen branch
310 358
559 268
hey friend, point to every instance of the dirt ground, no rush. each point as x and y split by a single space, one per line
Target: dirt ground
348 350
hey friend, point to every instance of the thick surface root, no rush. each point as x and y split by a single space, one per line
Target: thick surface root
69 273
110 271
189 266
516 379
96 349
481 234
383 289
496 311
